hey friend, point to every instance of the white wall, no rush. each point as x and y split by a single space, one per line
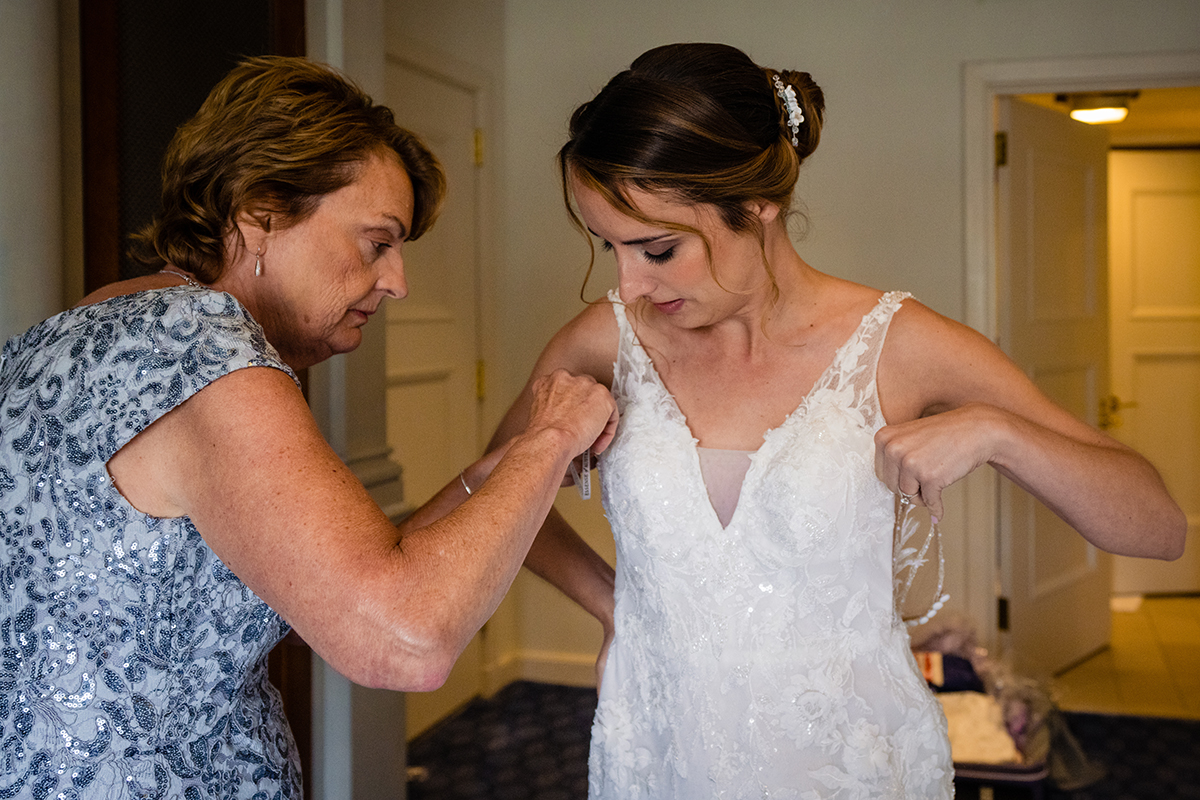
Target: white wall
884 191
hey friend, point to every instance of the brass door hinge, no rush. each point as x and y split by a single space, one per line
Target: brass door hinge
479 147
1001 148
480 380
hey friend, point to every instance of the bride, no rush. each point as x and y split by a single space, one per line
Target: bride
771 415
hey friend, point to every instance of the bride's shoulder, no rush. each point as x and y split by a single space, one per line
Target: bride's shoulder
586 345
930 361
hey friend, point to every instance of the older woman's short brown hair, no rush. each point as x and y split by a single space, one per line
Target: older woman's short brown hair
273 137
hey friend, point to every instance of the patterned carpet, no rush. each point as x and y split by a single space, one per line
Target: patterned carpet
530 742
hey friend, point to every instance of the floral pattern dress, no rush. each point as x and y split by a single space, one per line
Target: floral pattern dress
132 661
765 658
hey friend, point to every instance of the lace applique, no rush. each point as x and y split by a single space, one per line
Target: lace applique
765 658
910 559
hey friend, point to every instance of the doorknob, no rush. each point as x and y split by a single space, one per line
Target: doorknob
1110 412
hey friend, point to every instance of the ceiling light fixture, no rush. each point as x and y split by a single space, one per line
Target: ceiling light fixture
1098 107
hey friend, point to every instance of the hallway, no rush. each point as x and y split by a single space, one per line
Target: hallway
1152 667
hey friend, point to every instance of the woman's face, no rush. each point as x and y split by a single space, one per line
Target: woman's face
324 277
670 269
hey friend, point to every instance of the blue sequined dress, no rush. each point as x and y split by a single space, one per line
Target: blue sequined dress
133 662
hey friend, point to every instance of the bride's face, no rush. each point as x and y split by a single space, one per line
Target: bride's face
670 269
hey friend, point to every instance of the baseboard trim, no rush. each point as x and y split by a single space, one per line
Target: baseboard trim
541 666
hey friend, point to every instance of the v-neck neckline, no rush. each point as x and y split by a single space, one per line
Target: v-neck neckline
769 433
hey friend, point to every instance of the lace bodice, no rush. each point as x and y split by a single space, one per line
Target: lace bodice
134 660
765 658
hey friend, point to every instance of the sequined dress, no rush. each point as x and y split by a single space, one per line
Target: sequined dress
132 661
765 658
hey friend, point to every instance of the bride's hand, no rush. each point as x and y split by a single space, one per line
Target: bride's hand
602 659
919 459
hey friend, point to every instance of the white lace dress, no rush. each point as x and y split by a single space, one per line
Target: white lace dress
764 658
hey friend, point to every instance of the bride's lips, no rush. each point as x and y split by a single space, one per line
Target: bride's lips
670 307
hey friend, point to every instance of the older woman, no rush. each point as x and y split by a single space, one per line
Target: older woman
169 508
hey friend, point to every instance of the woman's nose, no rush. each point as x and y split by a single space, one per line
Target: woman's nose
632 283
392 279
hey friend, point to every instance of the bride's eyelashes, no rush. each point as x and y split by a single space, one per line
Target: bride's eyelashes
653 257
660 257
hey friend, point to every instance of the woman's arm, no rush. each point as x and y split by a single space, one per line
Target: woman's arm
562 558
955 402
559 555
454 493
243 458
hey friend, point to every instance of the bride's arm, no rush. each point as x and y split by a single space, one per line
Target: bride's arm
559 555
954 402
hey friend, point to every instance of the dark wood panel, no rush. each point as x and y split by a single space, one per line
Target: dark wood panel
290 668
100 123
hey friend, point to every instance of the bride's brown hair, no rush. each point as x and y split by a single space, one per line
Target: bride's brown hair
700 123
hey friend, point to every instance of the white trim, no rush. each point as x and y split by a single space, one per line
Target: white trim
541 666
500 673
488 246
983 83
558 667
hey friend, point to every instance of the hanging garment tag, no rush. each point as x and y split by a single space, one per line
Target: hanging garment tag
583 477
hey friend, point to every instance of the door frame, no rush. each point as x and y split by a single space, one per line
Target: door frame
424 58
983 83
497 634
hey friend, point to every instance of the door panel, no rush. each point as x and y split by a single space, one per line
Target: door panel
1154 205
432 349
1052 248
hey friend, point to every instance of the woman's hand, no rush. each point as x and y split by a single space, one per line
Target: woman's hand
602 658
576 405
919 459
567 402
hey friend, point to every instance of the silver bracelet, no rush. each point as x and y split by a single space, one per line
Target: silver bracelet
463 478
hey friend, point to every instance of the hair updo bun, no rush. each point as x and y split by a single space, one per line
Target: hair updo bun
700 122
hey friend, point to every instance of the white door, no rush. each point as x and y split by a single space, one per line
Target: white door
433 415
1052 252
1154 250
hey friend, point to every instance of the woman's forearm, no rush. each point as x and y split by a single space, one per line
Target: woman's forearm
454 493
564 560
1112 495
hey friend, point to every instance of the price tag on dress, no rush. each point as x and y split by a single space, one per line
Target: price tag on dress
583 475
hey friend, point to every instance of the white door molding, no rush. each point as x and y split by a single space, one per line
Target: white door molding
983 82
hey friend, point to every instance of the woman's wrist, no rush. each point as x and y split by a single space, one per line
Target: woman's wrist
476 474
998 433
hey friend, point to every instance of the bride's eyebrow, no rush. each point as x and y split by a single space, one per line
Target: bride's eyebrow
641 240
